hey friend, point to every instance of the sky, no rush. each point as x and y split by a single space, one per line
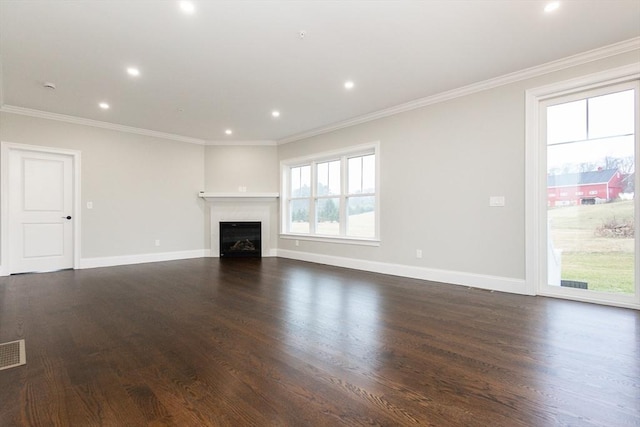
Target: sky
588 130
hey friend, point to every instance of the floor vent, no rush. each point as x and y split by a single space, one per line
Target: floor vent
12 354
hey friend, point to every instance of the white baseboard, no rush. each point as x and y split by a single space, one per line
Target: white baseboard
141 258
494 283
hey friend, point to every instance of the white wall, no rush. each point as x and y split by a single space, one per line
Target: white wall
229 167
439 165
142 188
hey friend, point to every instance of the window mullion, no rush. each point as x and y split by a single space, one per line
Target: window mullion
361 174
312 198
587 119
343 198
288 179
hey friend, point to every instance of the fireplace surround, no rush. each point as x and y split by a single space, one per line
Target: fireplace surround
239 207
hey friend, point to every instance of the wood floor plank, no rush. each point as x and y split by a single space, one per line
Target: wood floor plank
276 342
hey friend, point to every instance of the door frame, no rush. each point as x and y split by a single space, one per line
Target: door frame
535 182
5 232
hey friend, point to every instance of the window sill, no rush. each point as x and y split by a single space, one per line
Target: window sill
332 239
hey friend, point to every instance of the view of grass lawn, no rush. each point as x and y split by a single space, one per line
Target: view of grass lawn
605 263
603 271
360 225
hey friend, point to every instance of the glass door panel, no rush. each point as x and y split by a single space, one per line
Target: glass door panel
592 218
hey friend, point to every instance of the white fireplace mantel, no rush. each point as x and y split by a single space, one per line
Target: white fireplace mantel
238 197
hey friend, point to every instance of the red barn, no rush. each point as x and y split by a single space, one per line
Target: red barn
584 188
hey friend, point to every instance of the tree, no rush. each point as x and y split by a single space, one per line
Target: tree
627 165
303 191
587 167
300 215
611 163
630 183
329 211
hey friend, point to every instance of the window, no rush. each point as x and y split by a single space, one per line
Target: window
332 195
300 192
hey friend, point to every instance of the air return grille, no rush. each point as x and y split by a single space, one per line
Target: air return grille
12 354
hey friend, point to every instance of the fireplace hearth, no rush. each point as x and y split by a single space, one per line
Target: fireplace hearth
240 239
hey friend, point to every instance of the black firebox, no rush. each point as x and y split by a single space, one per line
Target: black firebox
240 239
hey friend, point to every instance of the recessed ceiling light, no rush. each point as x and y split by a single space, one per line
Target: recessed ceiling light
550 7
275 113
187 7
104 105
228 131
133 71
348 84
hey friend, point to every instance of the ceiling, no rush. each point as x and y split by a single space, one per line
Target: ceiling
231 63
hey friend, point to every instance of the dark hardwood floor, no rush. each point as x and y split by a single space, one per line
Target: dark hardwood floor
273 342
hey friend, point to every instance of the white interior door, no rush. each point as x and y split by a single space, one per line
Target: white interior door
41 191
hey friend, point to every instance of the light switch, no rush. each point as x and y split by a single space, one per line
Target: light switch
495 201
89 205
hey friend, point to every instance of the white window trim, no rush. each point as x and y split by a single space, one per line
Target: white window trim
535 181
331 239
357 150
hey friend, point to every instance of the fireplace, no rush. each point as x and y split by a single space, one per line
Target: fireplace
240 239
235 208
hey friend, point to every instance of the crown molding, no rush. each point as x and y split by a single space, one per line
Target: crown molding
527 73
259 142
99 124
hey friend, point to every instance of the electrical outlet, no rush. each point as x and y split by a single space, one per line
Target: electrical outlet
157 242
89 205
418 253
297 242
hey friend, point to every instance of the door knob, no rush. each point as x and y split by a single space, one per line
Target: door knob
66 217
